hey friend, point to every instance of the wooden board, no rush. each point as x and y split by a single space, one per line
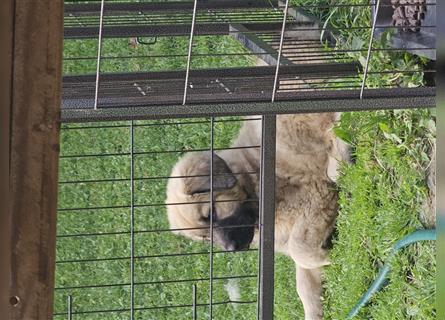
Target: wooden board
6 27
34 150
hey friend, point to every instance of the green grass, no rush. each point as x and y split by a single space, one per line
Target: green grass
351 27
176 47
381 195
380 200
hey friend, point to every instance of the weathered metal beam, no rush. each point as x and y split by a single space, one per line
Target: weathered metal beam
258 71
301 102
85 32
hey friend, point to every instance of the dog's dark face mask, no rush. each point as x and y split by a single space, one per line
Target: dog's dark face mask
232 230
236 231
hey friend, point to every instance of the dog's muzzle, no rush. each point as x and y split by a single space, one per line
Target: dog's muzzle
236 232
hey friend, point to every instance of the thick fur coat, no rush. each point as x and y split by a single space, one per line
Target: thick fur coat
307 158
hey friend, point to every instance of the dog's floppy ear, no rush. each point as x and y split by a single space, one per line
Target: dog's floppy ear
223 177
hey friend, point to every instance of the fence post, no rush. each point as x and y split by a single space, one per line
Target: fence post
34 152
267 219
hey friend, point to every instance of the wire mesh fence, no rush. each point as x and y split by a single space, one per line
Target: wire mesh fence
117 256
208 53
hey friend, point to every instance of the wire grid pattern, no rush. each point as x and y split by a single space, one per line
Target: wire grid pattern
127 257
267 51
307 51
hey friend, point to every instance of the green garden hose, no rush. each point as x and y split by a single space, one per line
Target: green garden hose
420 235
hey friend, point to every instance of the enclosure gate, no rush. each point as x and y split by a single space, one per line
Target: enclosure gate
296 74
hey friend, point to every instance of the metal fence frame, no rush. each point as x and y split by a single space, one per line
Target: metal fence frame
341 100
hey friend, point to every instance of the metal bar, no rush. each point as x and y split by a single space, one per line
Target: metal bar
248 105
304 102
212 140
74 8
125 31
70 307
155 124
176 15
368 57
234 73
173 17
267 218
189 54
99 53
145 205
101 155
132 226
149 56
256 45
214 91
154 308
98 286
162 30
288 55
151 178
167 255
309 69
113 233
174 20
98 234
194 313
124 23
280 51
253 99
